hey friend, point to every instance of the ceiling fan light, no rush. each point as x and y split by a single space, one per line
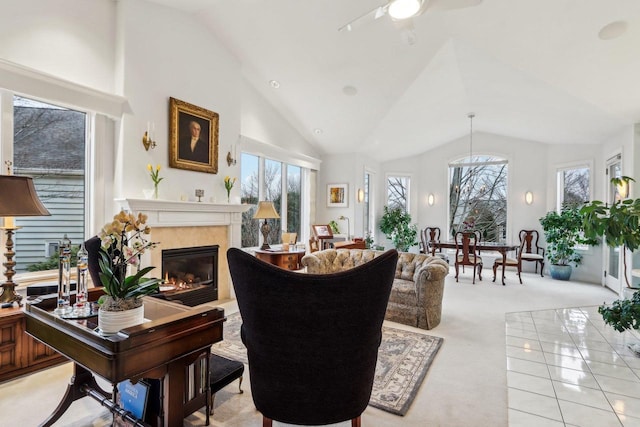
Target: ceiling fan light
403 9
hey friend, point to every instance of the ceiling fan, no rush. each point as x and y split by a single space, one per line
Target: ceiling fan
402 10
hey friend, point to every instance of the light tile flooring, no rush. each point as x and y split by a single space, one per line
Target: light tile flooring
565 367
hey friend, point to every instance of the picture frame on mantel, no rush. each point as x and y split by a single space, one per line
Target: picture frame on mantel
193 137
337 195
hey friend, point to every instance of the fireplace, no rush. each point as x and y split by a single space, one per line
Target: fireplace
190 275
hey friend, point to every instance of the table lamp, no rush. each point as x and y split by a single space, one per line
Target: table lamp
18 197
265 211
342 218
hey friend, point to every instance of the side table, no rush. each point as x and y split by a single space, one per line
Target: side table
289 260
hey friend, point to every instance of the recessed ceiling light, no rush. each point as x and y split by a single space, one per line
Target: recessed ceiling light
317 131
349 90
274 84
613 30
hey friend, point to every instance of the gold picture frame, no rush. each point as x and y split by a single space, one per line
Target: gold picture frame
337 195
193 137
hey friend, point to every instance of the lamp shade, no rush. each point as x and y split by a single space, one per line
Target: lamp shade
18 197
266 210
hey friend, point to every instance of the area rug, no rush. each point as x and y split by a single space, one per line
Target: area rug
403 360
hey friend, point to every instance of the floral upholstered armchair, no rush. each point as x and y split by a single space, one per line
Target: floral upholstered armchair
418 285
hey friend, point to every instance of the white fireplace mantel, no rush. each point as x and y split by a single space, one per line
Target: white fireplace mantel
169 213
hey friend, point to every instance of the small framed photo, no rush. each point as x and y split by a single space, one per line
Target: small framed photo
337 195
193 137
322 231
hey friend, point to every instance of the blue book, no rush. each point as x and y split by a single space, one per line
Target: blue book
133 397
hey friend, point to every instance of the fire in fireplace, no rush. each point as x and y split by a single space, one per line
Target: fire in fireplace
190 275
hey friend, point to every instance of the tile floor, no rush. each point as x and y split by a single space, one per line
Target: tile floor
565 367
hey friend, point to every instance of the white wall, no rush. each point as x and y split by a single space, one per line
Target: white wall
71 39
147 53
348 168
430 174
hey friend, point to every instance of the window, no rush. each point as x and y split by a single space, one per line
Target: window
49 144
478 196
368 225
250 192
574 185
398 192
294 199
271 180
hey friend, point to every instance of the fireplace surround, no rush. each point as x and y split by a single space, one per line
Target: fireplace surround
177 224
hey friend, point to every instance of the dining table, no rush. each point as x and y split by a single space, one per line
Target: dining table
502 247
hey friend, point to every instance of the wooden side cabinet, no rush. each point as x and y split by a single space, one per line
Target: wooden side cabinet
19 353
289 260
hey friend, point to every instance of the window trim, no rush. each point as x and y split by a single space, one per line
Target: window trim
386 188
560 168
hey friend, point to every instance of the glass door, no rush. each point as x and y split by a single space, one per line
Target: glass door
613 256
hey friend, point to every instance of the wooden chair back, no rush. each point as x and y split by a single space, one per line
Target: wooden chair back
466 253
428 236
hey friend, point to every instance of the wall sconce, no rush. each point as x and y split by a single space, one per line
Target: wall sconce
231 158
147 139
360 195
623 189
431 199
528 197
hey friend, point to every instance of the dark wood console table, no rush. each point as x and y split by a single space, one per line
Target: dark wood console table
289 260
173 347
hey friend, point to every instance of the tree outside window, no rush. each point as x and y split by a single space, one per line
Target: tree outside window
271 182
478 196
398 192
49 145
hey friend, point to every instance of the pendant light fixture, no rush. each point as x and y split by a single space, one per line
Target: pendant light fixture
471 116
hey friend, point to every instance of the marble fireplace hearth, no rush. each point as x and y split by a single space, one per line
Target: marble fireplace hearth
177 225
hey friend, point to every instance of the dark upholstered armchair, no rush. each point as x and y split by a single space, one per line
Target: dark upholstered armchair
312 339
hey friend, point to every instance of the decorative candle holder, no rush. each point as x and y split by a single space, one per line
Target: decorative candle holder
199 194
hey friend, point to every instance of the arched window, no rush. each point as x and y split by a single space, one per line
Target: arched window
478 196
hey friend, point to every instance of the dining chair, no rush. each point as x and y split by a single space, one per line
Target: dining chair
466 253
428 236
531 250
510 262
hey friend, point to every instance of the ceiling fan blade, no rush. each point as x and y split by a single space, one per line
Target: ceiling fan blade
372 15
452 4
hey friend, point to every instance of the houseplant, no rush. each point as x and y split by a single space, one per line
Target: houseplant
123 242
618 223
396 225
563 231
622 315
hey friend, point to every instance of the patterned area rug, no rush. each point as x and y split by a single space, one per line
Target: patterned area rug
403 360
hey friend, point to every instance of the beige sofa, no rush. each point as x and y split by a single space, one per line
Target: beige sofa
416 295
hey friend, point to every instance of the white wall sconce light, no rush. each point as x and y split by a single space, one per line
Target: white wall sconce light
360 195
431 199
528 197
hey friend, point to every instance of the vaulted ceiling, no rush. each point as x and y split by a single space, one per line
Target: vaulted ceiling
554 71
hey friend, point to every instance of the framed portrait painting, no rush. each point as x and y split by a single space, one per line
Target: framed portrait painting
337 195
193 137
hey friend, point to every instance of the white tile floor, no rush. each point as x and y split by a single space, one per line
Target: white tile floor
566 367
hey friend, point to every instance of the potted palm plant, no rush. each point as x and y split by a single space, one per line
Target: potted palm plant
563 231
123 242
396 225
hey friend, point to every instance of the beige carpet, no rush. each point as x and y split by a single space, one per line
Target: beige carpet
465 386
